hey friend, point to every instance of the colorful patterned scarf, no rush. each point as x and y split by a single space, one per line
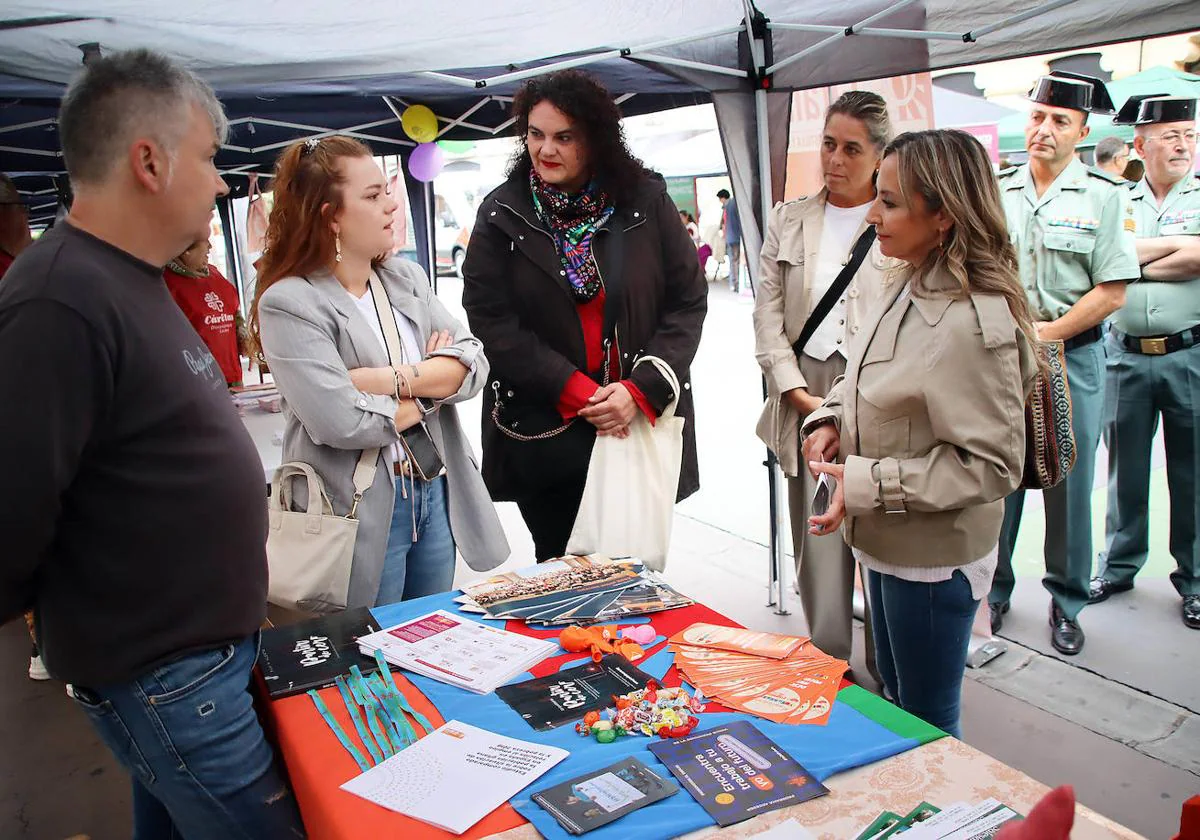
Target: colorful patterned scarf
573 220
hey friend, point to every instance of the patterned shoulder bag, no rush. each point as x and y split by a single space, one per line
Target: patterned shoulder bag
1049 437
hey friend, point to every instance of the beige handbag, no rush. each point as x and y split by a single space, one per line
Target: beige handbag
628 502
310 553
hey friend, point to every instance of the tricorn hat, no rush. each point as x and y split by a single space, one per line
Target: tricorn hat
1073 90
1156 108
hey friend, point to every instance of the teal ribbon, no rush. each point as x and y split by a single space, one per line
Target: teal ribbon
348 698
386 675
364 698
337 730
395 719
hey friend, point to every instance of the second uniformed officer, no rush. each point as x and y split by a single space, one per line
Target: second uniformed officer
1073 231
1154 357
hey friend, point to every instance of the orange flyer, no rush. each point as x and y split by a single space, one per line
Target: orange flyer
770 645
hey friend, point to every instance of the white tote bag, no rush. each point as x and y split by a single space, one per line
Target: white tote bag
310 553
629 499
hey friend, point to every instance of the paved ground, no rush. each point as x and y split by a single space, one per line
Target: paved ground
1119 722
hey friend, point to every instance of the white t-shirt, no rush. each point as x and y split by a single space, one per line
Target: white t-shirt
837 238
408 340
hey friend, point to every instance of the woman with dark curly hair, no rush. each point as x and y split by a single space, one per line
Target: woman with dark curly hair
577 267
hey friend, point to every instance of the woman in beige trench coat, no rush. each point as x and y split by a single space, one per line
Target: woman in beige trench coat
928 422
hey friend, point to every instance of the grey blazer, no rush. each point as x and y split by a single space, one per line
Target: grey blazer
312 335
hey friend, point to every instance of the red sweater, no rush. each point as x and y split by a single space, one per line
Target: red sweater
581 387
210 303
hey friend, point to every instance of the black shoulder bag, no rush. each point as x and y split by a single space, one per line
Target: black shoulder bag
857 255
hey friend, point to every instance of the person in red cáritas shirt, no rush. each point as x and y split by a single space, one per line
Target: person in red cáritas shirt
210 303
14 224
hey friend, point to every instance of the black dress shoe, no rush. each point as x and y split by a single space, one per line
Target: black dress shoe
1101 590
1065 633
997 612
1191 611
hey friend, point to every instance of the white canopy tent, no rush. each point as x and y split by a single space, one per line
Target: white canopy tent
304 68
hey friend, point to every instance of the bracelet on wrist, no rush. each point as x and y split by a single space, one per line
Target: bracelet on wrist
407 383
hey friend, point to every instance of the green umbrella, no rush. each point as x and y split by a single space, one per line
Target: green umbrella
1164 80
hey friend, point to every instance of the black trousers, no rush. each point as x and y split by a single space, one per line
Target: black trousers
550 515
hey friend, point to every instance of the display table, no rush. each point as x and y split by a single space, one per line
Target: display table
897 760
942 772
265 428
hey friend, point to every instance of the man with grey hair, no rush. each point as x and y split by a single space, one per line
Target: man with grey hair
1153 363
136 529
1112 155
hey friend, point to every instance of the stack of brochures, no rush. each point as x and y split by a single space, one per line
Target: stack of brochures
458 651
959 821
785 679
572 590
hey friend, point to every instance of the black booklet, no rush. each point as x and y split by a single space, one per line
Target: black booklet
546 702
597 798
736 772
311 654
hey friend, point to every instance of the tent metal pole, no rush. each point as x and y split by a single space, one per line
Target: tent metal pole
1021 17
521 75
916 34
929 35
582 60
819 28
776 587
431 237
757 51
22 151
451 123
33 124
233 262
845 33
693 65
449 79
776 580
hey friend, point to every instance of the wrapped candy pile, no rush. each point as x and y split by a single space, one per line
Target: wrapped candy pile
665 712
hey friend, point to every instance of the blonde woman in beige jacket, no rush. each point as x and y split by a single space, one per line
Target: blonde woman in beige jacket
807 244
928 422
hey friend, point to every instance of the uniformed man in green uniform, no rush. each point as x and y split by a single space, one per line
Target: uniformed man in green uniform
1072 228
1154 357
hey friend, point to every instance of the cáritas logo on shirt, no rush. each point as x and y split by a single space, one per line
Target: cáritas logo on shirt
201 363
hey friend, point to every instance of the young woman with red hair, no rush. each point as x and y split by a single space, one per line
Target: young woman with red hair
328 242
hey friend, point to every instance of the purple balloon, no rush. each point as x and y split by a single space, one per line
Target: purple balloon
426 162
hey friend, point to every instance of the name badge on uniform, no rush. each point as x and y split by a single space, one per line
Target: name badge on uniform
1130 219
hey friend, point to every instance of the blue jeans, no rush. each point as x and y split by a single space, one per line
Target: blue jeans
413 568
188 734
921 636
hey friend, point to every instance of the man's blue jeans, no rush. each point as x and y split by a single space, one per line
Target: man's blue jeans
188 734
921 636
